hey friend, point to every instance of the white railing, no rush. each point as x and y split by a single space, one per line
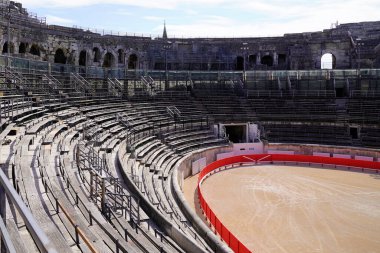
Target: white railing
114 87
81 84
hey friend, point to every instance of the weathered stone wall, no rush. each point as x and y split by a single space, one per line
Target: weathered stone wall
292 51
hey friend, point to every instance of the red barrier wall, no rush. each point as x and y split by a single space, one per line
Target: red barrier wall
224 233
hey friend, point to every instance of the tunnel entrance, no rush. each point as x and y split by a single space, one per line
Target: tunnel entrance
354 133
59 56
239 63
237 133
108 60
5 48
328 61
132 61
83 58
267 60
35 50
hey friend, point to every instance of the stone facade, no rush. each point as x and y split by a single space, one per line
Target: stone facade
30 37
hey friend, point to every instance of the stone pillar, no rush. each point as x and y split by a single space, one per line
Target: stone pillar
275 59
258 58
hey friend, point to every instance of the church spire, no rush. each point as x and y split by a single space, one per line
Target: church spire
165 35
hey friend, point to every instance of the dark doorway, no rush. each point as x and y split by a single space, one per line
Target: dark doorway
236 134
82 58
267 60
354 133
239 63
59 56
108 60
22 48
340 92
35 50
132 61
5 48
252 60
281 59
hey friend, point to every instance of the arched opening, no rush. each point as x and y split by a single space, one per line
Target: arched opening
22 48
108 60
120 56
281 59
35 50
5 48
239 63
252 60
132 61
59 56
82 58
328 61
96 52
267 60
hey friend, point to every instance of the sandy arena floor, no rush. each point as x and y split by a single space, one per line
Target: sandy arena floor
295 209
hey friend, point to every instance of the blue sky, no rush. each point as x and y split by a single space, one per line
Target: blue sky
205 18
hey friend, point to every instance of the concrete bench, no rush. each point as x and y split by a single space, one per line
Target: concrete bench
185 148
52 134
75 121
167 166
142 151
65 145
185 134
40 125
116 129
108 147
148 160
158 165
109 123
190 139
36 114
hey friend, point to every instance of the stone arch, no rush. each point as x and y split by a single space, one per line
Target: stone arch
35 50
239 63
109 60
132 61
96 52
83 58
22 48
252 60
71 57
120 56
11 48
267 60
328 61
60 56
281 59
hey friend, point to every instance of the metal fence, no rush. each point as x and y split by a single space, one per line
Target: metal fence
34 66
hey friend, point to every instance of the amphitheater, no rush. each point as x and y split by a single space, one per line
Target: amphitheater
116 143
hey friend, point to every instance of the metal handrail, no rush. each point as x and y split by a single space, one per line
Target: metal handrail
118 84
41 239
52 82
4 236
114 87
83 83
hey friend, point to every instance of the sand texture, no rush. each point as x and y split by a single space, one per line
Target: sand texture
296 209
